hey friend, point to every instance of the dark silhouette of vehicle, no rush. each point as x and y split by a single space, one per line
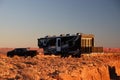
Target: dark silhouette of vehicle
66 45
22 52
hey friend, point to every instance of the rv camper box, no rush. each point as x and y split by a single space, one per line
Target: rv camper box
68 44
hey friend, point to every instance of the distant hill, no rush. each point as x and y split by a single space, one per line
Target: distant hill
5 50
112 50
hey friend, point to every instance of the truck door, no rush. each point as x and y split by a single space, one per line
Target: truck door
58 44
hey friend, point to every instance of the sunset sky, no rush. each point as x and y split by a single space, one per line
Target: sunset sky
22 22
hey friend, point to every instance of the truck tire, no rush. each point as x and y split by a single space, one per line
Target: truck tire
65 53
9 54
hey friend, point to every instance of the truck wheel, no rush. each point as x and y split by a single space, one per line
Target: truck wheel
65 53
32 56
25 56
62 55
77 55
73 56
10 54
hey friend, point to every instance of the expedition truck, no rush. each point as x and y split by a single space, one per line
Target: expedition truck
66 45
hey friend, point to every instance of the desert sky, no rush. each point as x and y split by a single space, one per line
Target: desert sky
22 22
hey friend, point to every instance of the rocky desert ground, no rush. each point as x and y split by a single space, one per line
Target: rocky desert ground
94 66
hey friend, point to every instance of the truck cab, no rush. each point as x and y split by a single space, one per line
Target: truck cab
65 45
